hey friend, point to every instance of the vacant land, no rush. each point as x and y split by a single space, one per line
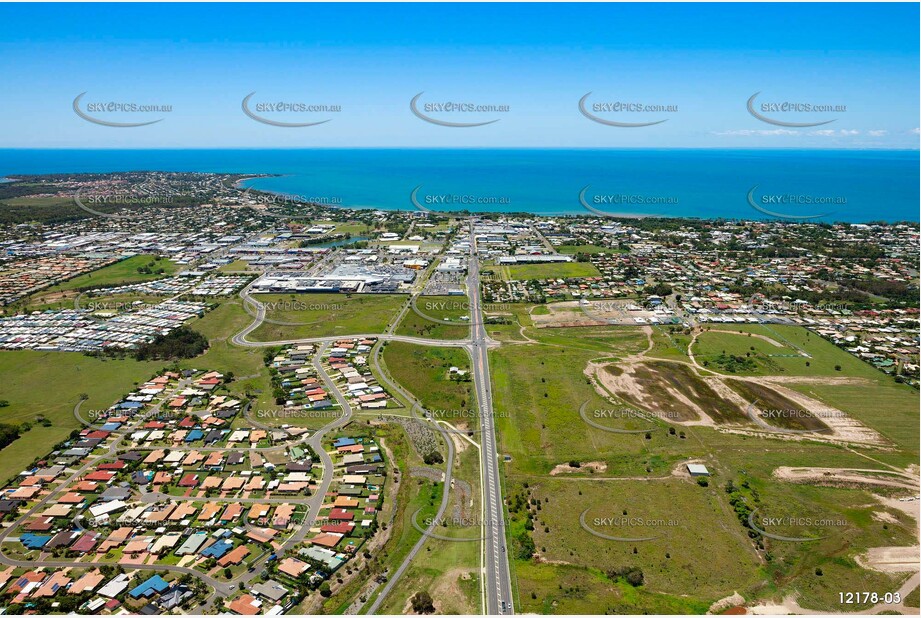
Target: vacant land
290 316
539 390
425 372
678 516
788 359
445 308
251 377
48 385
560 270
448 570
673 392
567 573
776 409
123 272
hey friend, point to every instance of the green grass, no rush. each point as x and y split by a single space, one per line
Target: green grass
319 315
711 554
447 308
785 360
561 270
50 384
538 391
912 599
120 273
423 371
778 411
876 400
681 515
448 570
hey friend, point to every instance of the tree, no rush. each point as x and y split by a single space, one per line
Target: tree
422 603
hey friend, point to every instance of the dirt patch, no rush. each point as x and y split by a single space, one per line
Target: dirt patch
671 391
776 409
891 559
563 314
846 477
594 466
727 603
447 587
883 516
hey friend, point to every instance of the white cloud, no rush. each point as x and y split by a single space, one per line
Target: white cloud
833 133
748 132
916 130
878 132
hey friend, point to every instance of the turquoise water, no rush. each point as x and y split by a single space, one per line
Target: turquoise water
855 186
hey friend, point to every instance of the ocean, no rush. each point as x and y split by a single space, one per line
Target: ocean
823 185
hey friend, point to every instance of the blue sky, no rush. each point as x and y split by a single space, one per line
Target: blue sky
539 60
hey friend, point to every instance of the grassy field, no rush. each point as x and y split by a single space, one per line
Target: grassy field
50 384
122 272
913 597
423 371
448 570
785 360
561 270
538 391
681 517
710 552
659 380
780 411
319 315
447 308
115 303
247 364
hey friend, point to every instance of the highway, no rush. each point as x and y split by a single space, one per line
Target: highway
498 581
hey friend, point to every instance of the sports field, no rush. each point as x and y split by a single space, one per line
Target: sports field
560 270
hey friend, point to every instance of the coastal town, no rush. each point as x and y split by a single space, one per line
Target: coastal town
272 394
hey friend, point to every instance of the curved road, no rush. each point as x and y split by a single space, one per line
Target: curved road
445 494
